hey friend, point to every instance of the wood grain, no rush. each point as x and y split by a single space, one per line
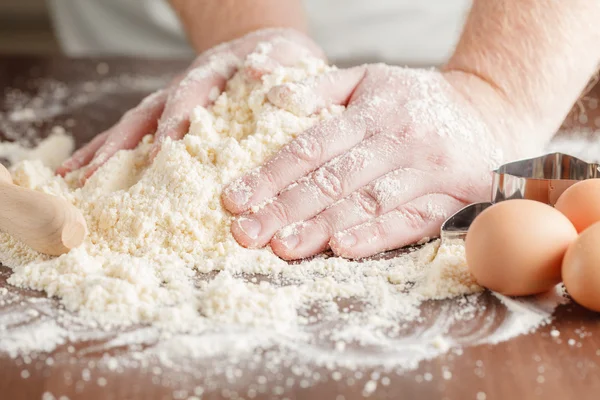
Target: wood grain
538 365
46 223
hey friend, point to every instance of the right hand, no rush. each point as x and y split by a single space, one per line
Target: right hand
412 147
167 111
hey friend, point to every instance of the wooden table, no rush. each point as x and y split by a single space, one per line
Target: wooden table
537 365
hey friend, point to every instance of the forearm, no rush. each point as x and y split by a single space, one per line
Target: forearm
210 22
539 54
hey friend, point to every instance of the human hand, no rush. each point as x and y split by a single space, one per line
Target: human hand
167 111
412 147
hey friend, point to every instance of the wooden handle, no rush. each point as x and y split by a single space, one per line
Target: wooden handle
46 223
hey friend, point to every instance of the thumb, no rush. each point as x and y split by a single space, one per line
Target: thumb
311 95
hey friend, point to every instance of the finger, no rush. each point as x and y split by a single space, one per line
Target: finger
380 197
357 167
129 131
200 87
267 57
82 156
307 97
248 43
306 153
176 80
405 225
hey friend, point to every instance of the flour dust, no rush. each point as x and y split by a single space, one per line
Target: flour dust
161 283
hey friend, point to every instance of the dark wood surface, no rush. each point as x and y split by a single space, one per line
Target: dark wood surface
537 365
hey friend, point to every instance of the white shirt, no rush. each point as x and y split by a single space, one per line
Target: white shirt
407 31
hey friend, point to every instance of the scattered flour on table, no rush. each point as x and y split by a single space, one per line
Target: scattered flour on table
26 112
51 151
161 265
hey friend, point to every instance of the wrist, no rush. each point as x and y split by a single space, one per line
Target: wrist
537 55
512 128
495 90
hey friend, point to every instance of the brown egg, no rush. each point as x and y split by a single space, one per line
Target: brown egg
516 247
581 268
581 203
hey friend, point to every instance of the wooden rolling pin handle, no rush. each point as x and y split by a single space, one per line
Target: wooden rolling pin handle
5 175
46 223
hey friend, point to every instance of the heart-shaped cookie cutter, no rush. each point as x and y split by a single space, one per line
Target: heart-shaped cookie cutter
542 179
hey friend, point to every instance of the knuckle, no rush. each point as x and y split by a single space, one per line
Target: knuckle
381 231
297 98
368 202
280 211
327 222
415 217
280 95
389 189
441 159
306 148
394 139
271 178
323 224
328 183
139 113
131 114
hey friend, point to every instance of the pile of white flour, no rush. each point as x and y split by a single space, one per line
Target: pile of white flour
160 253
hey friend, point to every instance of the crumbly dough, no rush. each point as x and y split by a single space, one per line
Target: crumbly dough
160 250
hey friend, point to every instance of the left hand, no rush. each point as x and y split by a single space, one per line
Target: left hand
412 147
166 111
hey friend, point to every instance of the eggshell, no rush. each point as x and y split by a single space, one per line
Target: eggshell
516 247
581 268
581 203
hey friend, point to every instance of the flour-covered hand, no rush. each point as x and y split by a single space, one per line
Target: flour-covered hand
412 147
167 111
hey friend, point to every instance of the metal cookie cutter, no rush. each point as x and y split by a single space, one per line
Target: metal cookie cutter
543 179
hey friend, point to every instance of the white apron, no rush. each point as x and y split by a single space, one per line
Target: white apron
406 31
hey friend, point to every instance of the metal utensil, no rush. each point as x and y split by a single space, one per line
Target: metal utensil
542 179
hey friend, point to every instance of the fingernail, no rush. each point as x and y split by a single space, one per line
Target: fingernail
239 193
238 198
346 239
291 241
250 226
